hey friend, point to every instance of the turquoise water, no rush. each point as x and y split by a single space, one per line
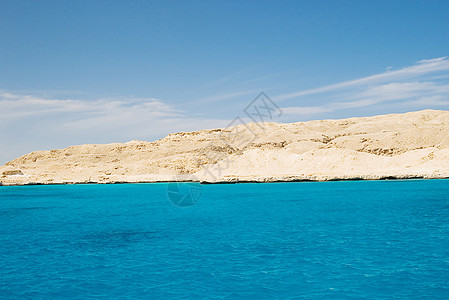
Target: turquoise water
340 240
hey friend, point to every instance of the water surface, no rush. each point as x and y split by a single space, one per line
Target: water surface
344 240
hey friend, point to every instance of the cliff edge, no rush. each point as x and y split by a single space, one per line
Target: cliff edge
410 145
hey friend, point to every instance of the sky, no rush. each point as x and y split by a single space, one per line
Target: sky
77 72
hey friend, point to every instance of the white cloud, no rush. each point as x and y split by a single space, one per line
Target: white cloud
16 107
428 101
29 123
418 85
423 67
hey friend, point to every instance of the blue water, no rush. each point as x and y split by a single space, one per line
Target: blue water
340 240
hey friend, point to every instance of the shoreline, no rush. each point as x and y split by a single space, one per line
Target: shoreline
395 146
384 178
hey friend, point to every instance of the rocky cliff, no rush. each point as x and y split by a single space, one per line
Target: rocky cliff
410 145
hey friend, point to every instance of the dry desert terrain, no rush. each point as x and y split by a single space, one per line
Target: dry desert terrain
410 145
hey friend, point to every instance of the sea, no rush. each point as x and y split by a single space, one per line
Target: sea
299 240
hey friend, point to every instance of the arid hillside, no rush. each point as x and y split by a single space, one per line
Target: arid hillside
409 145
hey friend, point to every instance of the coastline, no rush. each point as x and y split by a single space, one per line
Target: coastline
395 146
234 181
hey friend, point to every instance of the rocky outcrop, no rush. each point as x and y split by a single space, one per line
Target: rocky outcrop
410 145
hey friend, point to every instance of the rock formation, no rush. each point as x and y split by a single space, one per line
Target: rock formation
410 145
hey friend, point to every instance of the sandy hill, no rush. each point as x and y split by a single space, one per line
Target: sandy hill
409 145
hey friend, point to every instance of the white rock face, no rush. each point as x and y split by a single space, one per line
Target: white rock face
409 145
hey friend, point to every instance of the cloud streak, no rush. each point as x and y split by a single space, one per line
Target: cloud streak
29 123
427 79
421 68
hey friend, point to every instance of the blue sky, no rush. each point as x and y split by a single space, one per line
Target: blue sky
75 72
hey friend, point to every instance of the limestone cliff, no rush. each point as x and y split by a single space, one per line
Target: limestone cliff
409 145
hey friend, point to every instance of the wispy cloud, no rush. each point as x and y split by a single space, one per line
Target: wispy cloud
30 123
223 97
228 79
427 79
19 106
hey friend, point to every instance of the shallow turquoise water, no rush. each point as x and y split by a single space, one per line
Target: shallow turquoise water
343 240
